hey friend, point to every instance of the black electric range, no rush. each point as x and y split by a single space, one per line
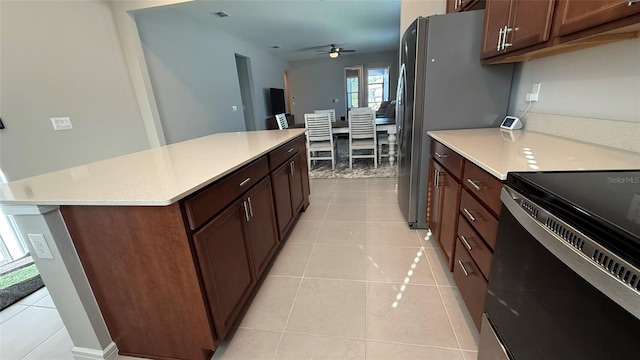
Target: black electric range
565 277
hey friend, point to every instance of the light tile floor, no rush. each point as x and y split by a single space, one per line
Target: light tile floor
352 282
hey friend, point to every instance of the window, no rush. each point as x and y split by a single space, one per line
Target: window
353 81
377 86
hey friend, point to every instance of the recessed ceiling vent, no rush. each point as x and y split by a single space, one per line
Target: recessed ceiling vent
275 47
221 14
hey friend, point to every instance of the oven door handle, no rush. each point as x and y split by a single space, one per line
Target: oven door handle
578 260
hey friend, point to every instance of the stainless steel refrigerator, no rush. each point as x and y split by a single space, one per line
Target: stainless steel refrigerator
442 85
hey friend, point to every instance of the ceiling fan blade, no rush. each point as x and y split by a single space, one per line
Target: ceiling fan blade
347 51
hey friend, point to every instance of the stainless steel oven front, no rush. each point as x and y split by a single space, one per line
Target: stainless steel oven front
555 293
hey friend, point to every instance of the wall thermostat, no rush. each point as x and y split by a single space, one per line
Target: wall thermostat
511 123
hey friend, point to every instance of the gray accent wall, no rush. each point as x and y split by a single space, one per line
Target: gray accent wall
63 58
193 73
602 82
313 84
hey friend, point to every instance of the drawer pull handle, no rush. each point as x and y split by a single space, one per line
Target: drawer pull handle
251 208
436 178
440 156
290 150
474 184
464 241
245 182
471 217
464 268
246 211
631 2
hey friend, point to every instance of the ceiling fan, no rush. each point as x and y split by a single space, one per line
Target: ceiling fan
335 51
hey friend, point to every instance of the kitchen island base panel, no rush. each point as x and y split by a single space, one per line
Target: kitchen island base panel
139 262
66 281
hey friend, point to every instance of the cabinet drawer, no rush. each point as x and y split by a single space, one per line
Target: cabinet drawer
214 198
475 246
479 217
451 161
471 283
483 185
284 152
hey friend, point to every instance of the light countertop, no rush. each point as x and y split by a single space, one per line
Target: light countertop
154 177
499 152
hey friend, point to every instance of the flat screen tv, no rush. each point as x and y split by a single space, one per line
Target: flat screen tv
277 101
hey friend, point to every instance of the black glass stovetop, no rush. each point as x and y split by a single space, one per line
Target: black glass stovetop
605 205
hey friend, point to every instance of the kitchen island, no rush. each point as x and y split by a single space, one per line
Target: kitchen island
163 246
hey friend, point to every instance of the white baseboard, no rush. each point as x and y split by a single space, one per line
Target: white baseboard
110 353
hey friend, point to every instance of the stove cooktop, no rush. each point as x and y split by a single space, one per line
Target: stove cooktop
604 205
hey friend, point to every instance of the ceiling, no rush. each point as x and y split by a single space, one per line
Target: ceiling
302 27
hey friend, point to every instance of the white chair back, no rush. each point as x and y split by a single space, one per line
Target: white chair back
331 112
318 127
282 121
362 124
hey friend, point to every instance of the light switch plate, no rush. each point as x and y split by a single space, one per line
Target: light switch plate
40 246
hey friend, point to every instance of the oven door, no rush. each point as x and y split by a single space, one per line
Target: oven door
541 308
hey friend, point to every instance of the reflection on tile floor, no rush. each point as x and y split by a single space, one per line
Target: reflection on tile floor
351 282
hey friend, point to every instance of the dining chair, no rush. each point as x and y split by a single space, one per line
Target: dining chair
362 136
331 112
319 138
383 140
282 121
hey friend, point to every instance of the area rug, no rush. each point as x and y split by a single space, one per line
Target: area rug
18 283
362 168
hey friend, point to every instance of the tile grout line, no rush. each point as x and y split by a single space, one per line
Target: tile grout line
293 304
43 341
453 329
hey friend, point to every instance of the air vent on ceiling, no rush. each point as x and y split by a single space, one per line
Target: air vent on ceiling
275 47
221 14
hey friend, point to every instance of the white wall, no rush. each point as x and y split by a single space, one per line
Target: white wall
63 58
411 9
313 84
193 74
599 83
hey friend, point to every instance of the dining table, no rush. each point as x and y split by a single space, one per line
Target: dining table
383 124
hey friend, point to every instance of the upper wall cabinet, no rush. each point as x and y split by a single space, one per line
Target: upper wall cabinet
511 25
521 30
464 5
576 15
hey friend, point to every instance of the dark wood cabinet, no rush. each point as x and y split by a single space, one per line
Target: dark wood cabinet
261 221
513 25
288 190
442 210
471 283
171 280
224 257
518 30
464 5
577 15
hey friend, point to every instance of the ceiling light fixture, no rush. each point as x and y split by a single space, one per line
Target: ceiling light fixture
334 55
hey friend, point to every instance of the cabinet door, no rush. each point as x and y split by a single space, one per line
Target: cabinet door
297 193
529 24
576 15
223 253
449 218
434 199
282 197
496 17
262 225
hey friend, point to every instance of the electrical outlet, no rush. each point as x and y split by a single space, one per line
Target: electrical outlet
534 94
40 246
61 123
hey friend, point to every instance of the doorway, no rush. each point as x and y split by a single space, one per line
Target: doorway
243 66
